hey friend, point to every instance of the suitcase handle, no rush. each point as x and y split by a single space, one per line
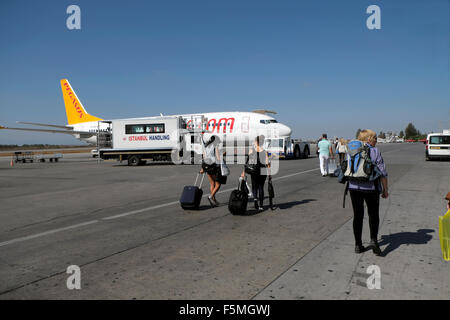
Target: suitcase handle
244 180
201 181
241 180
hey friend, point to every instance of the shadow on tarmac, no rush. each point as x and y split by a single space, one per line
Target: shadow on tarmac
251 212
148 164
288 205
394 241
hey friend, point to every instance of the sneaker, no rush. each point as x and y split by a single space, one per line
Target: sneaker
256 205
375 247
216 202
260 208
359 248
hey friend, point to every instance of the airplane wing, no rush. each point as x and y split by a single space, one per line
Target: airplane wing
86 133
46 125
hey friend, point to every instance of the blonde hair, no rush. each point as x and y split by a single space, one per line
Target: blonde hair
366 135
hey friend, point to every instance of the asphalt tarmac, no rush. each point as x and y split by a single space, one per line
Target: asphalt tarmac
123 226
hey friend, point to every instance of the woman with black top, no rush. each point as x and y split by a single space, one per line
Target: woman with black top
257 159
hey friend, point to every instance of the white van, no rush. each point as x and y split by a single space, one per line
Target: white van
438 146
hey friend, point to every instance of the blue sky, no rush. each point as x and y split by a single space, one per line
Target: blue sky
315 62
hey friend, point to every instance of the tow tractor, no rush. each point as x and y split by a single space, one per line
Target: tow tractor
286 147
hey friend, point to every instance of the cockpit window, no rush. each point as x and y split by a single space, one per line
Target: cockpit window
268 121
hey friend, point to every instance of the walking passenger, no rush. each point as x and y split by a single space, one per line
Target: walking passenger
341 149
368 192
325 152
257 158
210 165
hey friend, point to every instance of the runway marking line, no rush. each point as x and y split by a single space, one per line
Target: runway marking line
47 233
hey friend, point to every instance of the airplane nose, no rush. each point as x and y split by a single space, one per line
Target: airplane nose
284 130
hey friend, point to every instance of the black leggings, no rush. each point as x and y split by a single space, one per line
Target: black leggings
258 181
372 200
341 158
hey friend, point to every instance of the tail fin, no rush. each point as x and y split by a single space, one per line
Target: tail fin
74 109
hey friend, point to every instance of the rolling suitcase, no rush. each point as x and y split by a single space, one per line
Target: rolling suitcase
332 167
192 195
238 199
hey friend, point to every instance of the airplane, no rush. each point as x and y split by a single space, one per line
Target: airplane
84 126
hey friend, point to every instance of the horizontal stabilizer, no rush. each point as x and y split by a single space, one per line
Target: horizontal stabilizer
46 125
52 131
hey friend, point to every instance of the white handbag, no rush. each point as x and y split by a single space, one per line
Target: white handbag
224 170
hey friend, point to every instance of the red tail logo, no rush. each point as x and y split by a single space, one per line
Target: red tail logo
72 97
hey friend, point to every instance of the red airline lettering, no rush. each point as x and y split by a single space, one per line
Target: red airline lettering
225 124
214 127
217 125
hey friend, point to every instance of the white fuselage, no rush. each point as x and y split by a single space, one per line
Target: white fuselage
236 125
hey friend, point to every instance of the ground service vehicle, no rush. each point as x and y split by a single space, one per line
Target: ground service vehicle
285 147
28 156
139 140
438 146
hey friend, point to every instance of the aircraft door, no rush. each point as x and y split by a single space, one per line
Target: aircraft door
195 126
245 125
